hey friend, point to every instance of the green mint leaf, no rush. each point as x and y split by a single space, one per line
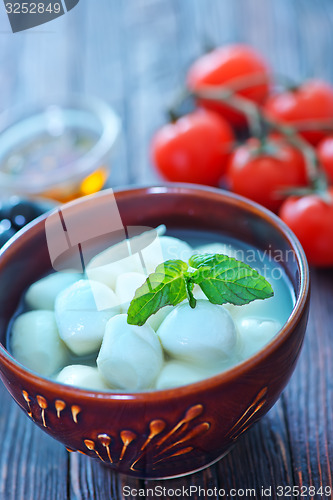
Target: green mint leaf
165 287
227 280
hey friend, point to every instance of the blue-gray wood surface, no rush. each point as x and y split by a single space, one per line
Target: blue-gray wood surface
134 54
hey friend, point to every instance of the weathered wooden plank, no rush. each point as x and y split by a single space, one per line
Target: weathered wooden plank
260 459
33 466
309 399
102 72
10 52
42 65
90 479
151 75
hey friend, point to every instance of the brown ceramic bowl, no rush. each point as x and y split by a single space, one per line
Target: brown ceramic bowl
172 432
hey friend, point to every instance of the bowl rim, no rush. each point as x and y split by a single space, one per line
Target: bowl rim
232 373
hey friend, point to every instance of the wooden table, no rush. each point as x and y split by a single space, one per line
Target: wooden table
134 54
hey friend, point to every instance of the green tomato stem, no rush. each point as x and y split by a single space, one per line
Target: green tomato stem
173 111
321 125
245 81
302 145
235 102
172 115
286 82
256 118
258 121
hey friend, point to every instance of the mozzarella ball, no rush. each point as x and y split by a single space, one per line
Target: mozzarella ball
162 249
108 265
176 373
35 342
82 311
201 335
156 319
255 308
220 248
126 286
42 293
254 333
85 377
109 273
131 356
174 248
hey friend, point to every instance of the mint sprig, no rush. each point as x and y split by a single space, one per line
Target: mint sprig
222 279
227 280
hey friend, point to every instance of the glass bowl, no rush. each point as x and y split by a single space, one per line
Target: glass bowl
60 150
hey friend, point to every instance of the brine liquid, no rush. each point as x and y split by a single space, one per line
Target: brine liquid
276 308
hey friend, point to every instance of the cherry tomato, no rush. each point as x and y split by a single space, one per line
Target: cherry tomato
325 156
193 149
310 218
310 102
260 172
227 66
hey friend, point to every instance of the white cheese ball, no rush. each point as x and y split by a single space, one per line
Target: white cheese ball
220 248
126 286
254 333
256 308
174 248
108 265
85 377
202 335
42 293
156 319
131 357
165 248
108 273
176 373
82 311
35 342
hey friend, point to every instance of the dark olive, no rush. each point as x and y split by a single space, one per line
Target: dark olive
6 231
22 212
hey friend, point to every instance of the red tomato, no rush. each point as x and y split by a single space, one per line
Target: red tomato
312 101
225 66
325 156
260 173
311 219
193 149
